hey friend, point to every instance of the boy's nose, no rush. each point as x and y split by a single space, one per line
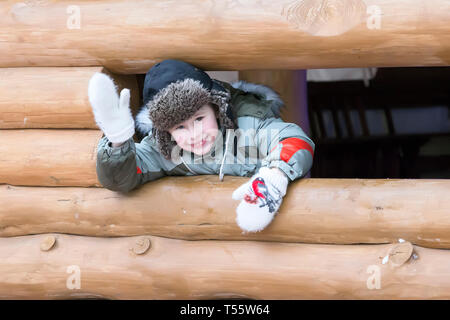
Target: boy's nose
195 134
194 138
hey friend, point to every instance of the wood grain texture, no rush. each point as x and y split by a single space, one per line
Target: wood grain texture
85 267
128 37
46 157
335 211
53 97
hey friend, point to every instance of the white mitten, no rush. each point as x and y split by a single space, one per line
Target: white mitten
261 198
112 115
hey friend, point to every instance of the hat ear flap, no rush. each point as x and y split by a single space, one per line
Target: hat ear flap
216 109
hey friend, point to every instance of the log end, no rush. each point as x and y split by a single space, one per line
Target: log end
400 253
48 243
141 246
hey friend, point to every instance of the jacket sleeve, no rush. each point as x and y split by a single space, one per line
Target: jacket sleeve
284 145
126 167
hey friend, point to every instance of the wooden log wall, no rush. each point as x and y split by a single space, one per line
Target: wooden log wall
334 211
159 268
332 239
225 35
53 97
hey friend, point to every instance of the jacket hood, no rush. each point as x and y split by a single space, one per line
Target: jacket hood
263 91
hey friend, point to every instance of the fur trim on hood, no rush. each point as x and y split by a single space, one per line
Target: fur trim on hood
263 91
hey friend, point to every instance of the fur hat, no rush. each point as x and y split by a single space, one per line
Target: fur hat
173 91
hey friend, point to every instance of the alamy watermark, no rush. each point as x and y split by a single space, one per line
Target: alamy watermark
251 147
374 280
74 19
374 19
74 280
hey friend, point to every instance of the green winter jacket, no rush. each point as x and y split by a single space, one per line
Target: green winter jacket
262 139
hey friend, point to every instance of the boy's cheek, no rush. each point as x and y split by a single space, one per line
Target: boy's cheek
213 133
179 138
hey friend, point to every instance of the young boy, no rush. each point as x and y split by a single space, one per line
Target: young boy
194 125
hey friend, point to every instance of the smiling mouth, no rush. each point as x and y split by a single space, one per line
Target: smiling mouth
199 145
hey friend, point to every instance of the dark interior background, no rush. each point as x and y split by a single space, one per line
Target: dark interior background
396 127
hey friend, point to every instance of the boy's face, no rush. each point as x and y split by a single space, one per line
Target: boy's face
198 133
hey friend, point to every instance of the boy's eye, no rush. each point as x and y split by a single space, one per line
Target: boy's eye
196 119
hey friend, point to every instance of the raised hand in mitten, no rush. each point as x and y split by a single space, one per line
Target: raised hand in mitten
112 114
261 198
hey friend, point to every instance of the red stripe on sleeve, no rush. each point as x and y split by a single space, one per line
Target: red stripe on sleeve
291 146
139 170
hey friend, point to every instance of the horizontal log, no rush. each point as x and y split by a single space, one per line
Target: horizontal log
225 35
46 157
53 97
157 268
336 211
